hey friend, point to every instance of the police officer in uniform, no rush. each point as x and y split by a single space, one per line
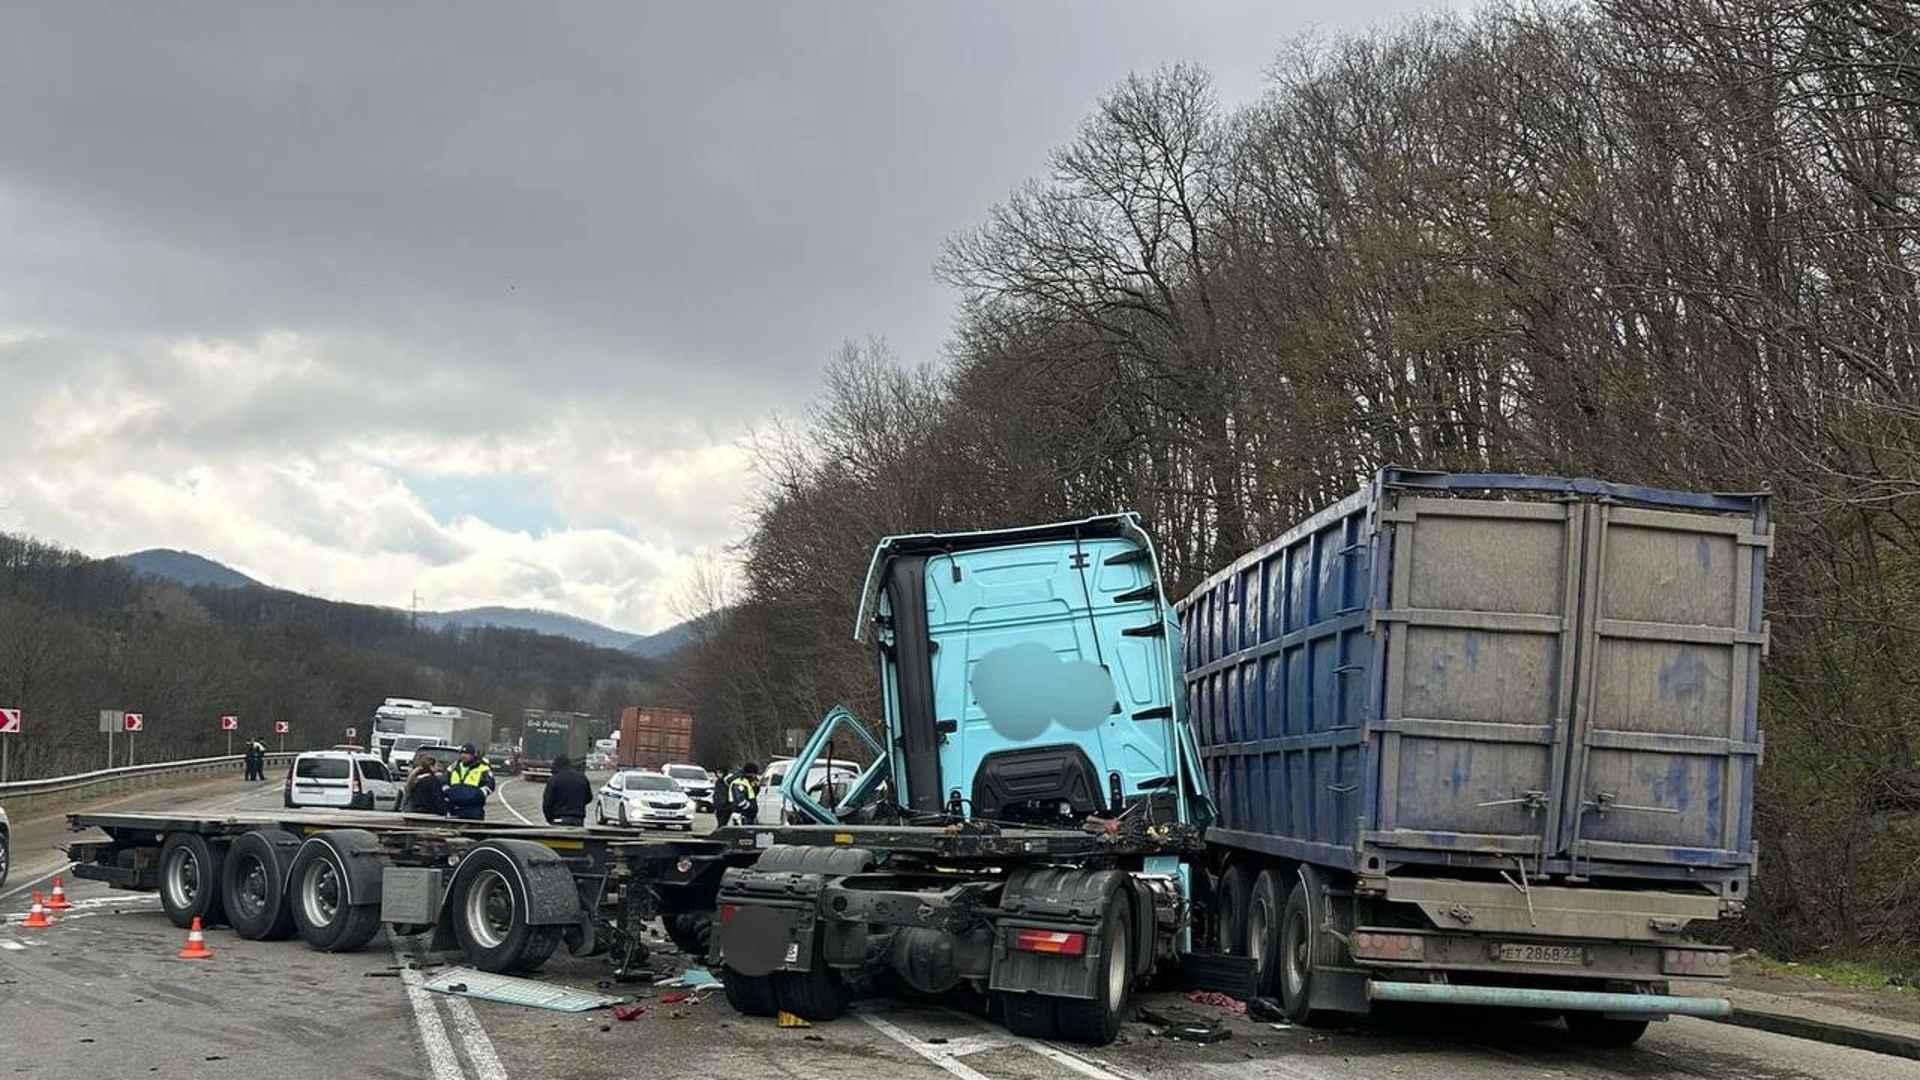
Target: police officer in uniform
469 783
743 795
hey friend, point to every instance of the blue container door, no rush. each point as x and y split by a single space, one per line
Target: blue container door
1476 640
1053 644
1666 733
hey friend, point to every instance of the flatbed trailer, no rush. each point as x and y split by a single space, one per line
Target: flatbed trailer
508 895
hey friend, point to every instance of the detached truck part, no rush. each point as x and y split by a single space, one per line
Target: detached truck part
1485 740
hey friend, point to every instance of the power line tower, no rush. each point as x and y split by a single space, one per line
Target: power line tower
413 617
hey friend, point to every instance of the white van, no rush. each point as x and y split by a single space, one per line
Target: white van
352 780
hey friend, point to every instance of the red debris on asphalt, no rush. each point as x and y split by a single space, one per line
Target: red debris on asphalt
1214 997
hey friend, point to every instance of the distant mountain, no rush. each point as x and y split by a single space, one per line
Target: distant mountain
540 622
193 570
664 642
186 568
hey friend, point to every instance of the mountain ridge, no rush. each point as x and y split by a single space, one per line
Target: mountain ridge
193 570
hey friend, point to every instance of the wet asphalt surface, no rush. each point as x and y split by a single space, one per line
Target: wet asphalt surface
102 995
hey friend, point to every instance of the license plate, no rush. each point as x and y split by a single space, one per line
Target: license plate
1542 954
793 952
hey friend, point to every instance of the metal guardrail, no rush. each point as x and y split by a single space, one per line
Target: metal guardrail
23 796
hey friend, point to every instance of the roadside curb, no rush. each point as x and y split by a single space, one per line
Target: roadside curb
1799 1027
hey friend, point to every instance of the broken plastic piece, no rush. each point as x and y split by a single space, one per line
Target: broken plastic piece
788 1020
628 1012
694 977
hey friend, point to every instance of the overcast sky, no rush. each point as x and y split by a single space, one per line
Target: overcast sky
479 299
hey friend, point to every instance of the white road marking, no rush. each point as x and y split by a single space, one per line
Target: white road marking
442 1059
930 1052
473 1037
1075 1062
512 809
36 882
469 1039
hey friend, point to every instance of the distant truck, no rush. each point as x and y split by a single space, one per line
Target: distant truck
418 720
652 737
547 735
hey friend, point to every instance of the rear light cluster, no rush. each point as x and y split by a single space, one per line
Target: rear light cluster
1369 945
727 911
1050 941
1701 963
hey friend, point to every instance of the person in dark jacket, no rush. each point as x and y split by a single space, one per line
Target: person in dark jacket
568 794
722 799
426 788
469 784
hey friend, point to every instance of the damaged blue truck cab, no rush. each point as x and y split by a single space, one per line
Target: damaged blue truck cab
1025 818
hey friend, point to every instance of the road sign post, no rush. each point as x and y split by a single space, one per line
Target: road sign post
9 725
130 723
280 729
229 724
110 721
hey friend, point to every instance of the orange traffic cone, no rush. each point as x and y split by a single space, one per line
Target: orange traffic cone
37 915
196 944
58 902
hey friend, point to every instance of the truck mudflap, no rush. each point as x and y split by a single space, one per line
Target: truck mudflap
1047 938
1643 1006
779 897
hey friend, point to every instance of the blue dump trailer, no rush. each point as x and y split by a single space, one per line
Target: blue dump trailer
1485 739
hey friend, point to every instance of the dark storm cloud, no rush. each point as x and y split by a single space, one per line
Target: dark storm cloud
690 202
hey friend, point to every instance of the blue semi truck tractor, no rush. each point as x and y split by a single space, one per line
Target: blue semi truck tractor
1482 740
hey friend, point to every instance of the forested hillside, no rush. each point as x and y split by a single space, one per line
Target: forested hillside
1671 242
79 635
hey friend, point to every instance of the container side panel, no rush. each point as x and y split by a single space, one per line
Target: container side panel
1667 729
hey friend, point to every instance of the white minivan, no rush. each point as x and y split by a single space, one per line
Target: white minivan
351 780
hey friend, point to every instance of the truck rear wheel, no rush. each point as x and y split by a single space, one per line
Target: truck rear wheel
320 902
750 995
253 884
818 993
1594 1029
1097 1022
1298 962
1236 892
190 880
1263 929
1030 1016
690 931
490 912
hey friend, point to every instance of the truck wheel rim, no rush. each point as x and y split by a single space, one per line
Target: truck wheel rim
320 893
251 896
1298 952
1116 971
183 878
1258 922
490 909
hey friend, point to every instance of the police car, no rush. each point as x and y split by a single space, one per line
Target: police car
640 797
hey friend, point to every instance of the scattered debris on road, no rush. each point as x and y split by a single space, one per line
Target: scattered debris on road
510 990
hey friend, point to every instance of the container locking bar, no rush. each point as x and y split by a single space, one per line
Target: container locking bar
1515 997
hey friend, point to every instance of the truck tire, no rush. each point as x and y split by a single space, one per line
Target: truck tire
818 993
190 880
6 855
750 995
1236 892
1097 1022
1264 919
490 916
690 931
1030 1016
317 886
253 884
1593 1029
1298 961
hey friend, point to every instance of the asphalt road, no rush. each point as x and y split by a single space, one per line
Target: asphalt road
103 995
